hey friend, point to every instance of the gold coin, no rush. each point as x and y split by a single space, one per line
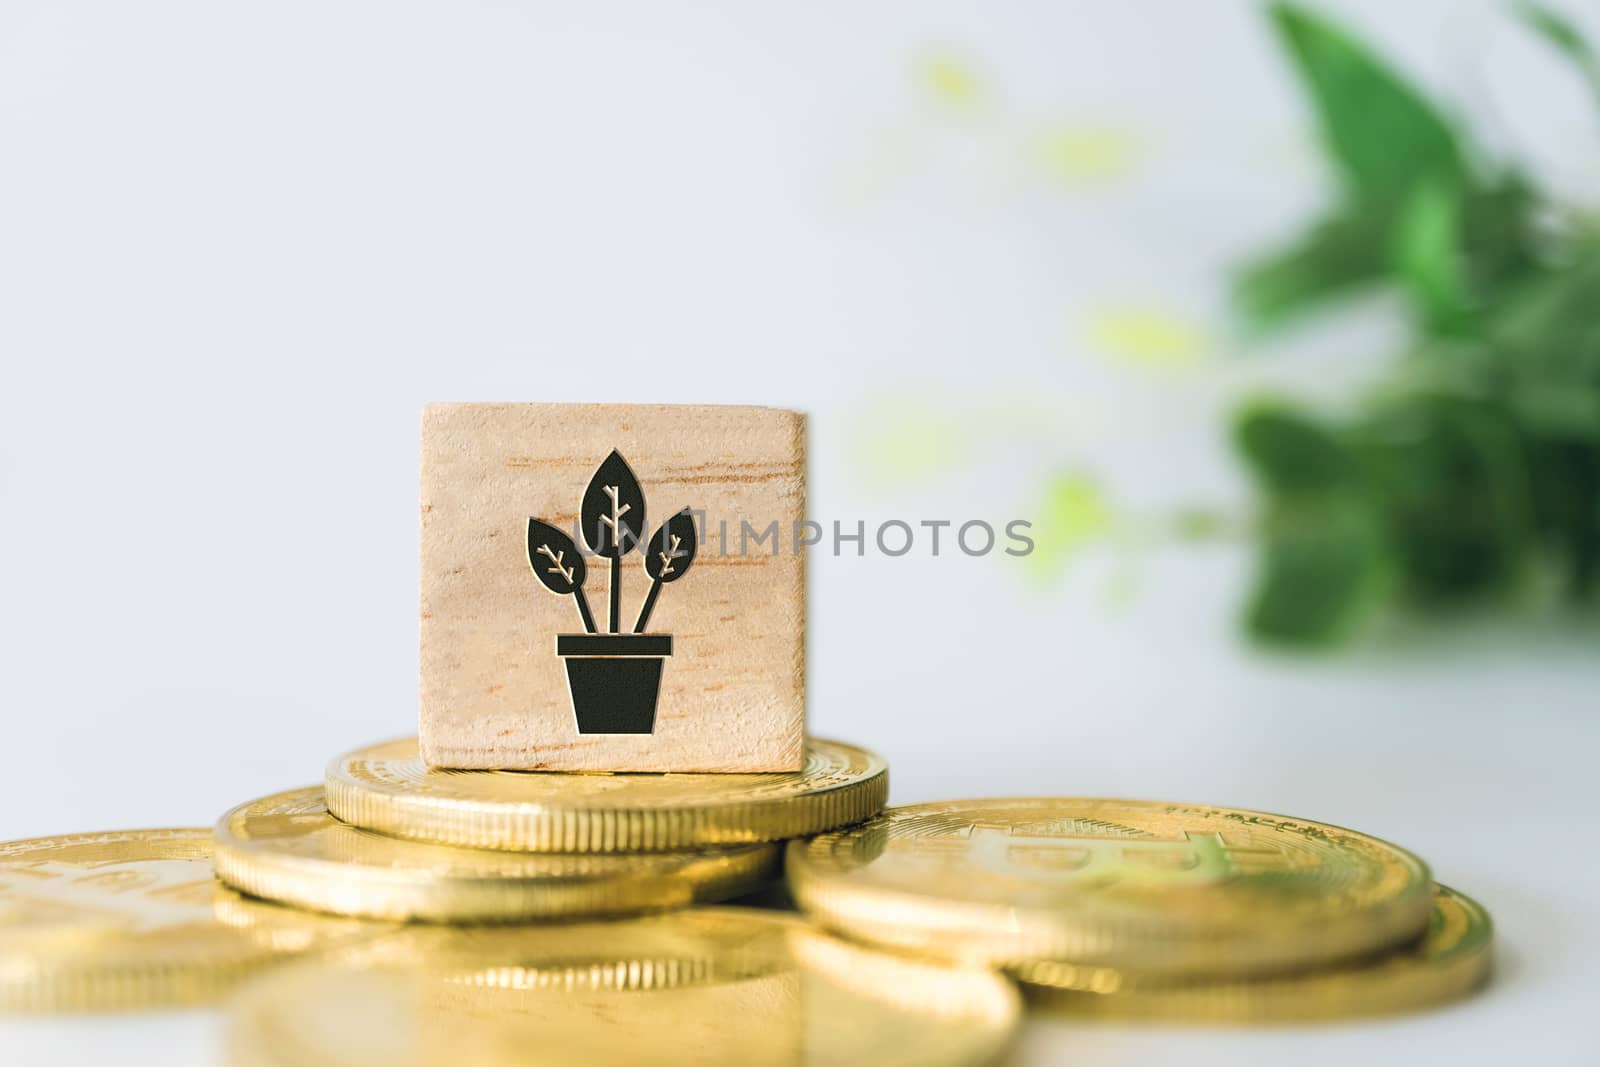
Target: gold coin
388 788
1136 885
1450 961
131 919
705 986
288 848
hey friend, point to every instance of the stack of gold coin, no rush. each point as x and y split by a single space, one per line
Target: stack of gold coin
1138 909
388 837
175 917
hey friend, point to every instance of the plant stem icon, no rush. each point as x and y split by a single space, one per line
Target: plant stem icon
614 678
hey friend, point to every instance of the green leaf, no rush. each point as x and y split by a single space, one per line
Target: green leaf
1335 258
1455 249
1322 555
1566 37
1544 343
1451 479
1429 257
1499 235
1289 453
1323 571
1558 410
1384 135
1566 491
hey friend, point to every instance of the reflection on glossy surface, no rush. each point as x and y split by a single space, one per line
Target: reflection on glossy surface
712 986
134 918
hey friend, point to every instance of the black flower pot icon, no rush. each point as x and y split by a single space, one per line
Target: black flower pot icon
614 678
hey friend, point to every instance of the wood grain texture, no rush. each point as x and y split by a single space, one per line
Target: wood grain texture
494 693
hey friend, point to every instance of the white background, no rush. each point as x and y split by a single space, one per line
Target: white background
242 244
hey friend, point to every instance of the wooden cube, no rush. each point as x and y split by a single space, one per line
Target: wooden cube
535 656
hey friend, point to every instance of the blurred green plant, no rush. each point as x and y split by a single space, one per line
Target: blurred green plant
1473 471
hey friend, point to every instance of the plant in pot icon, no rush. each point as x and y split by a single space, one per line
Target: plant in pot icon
614 678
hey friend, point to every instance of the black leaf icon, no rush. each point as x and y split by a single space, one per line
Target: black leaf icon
557 563
672 548
613 519
613 509
667 558
554 558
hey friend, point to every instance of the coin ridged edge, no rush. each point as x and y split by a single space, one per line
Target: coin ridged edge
970 932
529 827
127 986
23 845
397 894
1357 989
431 948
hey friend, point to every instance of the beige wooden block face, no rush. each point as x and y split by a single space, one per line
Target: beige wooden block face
510 675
